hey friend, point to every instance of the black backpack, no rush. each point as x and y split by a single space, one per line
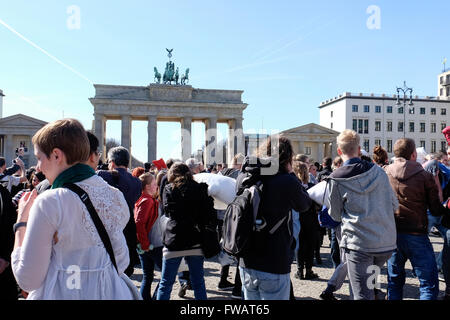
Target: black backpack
240 221
244 228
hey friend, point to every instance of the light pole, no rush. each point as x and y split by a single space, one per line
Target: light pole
405 90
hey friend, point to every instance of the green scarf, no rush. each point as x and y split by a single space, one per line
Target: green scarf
76 173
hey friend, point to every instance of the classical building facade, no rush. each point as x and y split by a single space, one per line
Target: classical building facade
380 121
176 103
316 141
16 131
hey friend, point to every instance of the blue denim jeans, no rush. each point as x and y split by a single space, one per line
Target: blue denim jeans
436 222
149 260
418 249
446 257
169 273
259 285
335 252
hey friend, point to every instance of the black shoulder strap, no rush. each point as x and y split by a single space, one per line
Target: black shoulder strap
95 218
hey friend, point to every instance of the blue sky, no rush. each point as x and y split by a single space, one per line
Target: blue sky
287 56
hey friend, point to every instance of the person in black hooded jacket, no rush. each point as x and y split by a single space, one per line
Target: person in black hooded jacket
265 270
187 205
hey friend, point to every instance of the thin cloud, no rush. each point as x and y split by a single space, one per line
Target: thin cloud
269 48
270 78
262 61
257 63
45 52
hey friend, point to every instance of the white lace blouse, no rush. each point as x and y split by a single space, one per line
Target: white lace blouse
77 266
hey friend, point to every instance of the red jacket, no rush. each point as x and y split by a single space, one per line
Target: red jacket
145 215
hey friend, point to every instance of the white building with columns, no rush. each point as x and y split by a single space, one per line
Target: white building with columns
380 121
16 131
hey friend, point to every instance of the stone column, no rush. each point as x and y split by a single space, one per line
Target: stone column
301 147
9 150
327 149
319 152
152 138
239 134
186 140
126 134
99 131
211 140
32 161
334 149
230 142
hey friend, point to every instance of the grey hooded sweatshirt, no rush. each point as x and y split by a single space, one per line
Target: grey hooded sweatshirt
361 198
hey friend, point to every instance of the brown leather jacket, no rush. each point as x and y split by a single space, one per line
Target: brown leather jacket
416 192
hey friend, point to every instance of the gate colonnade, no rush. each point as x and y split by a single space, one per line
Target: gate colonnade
176 103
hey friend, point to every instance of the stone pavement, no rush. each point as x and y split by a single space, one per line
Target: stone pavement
303 289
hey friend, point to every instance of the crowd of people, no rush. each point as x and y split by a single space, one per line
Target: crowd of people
74 228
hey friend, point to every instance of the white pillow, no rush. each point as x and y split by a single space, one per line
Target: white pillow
316 193
221 188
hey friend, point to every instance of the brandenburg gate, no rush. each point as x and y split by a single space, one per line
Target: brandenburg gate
171 102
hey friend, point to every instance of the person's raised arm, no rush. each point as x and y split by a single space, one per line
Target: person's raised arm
33 246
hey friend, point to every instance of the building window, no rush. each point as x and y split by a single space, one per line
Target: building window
366 108
355 125
443 112
441 79
433 127
377 125
400 110
433 146
400 126
308 151
433 111
389 146
366 145
377 142
360 126
443 146
366 126
377 109
355 108
422 143
422 127
331 125
389 109
411 110
331 114
443 125
422 110
448 91
389 126
441 92
411 127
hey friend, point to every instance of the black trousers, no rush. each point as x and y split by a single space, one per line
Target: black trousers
308 240
8 285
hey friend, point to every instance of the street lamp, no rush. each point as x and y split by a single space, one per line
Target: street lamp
405 90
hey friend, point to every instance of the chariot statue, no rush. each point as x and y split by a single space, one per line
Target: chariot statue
170 74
